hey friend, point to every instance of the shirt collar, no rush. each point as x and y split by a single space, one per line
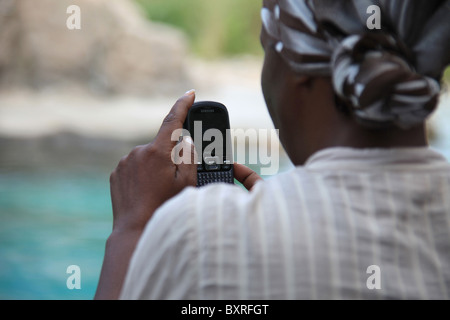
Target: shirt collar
354 159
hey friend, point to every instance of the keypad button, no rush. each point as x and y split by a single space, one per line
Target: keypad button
207 177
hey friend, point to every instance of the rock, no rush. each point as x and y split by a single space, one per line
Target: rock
117 50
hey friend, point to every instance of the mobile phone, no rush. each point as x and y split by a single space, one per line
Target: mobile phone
209 127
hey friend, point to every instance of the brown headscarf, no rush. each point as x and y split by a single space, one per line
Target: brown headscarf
384 77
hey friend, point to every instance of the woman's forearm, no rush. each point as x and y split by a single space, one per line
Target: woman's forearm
118 251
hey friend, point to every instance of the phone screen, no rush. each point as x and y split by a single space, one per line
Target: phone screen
208 126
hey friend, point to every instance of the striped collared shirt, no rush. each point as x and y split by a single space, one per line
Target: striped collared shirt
349 224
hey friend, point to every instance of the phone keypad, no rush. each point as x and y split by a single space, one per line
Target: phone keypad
204 178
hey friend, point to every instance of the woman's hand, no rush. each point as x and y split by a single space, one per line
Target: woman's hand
246 176
143 181
147 177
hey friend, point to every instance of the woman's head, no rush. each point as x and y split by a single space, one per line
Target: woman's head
322 52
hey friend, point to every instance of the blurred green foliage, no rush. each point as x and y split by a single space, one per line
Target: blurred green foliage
215 27
447 76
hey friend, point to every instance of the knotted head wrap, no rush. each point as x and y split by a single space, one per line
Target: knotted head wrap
388 76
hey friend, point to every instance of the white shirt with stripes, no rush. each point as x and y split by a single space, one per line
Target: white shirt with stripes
350 224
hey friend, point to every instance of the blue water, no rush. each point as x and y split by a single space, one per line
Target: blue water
49 221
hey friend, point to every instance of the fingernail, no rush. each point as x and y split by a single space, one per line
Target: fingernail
190 92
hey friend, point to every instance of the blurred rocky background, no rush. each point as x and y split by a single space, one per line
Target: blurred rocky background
106 87
116 51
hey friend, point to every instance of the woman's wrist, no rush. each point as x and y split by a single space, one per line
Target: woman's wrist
119 249
126 232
